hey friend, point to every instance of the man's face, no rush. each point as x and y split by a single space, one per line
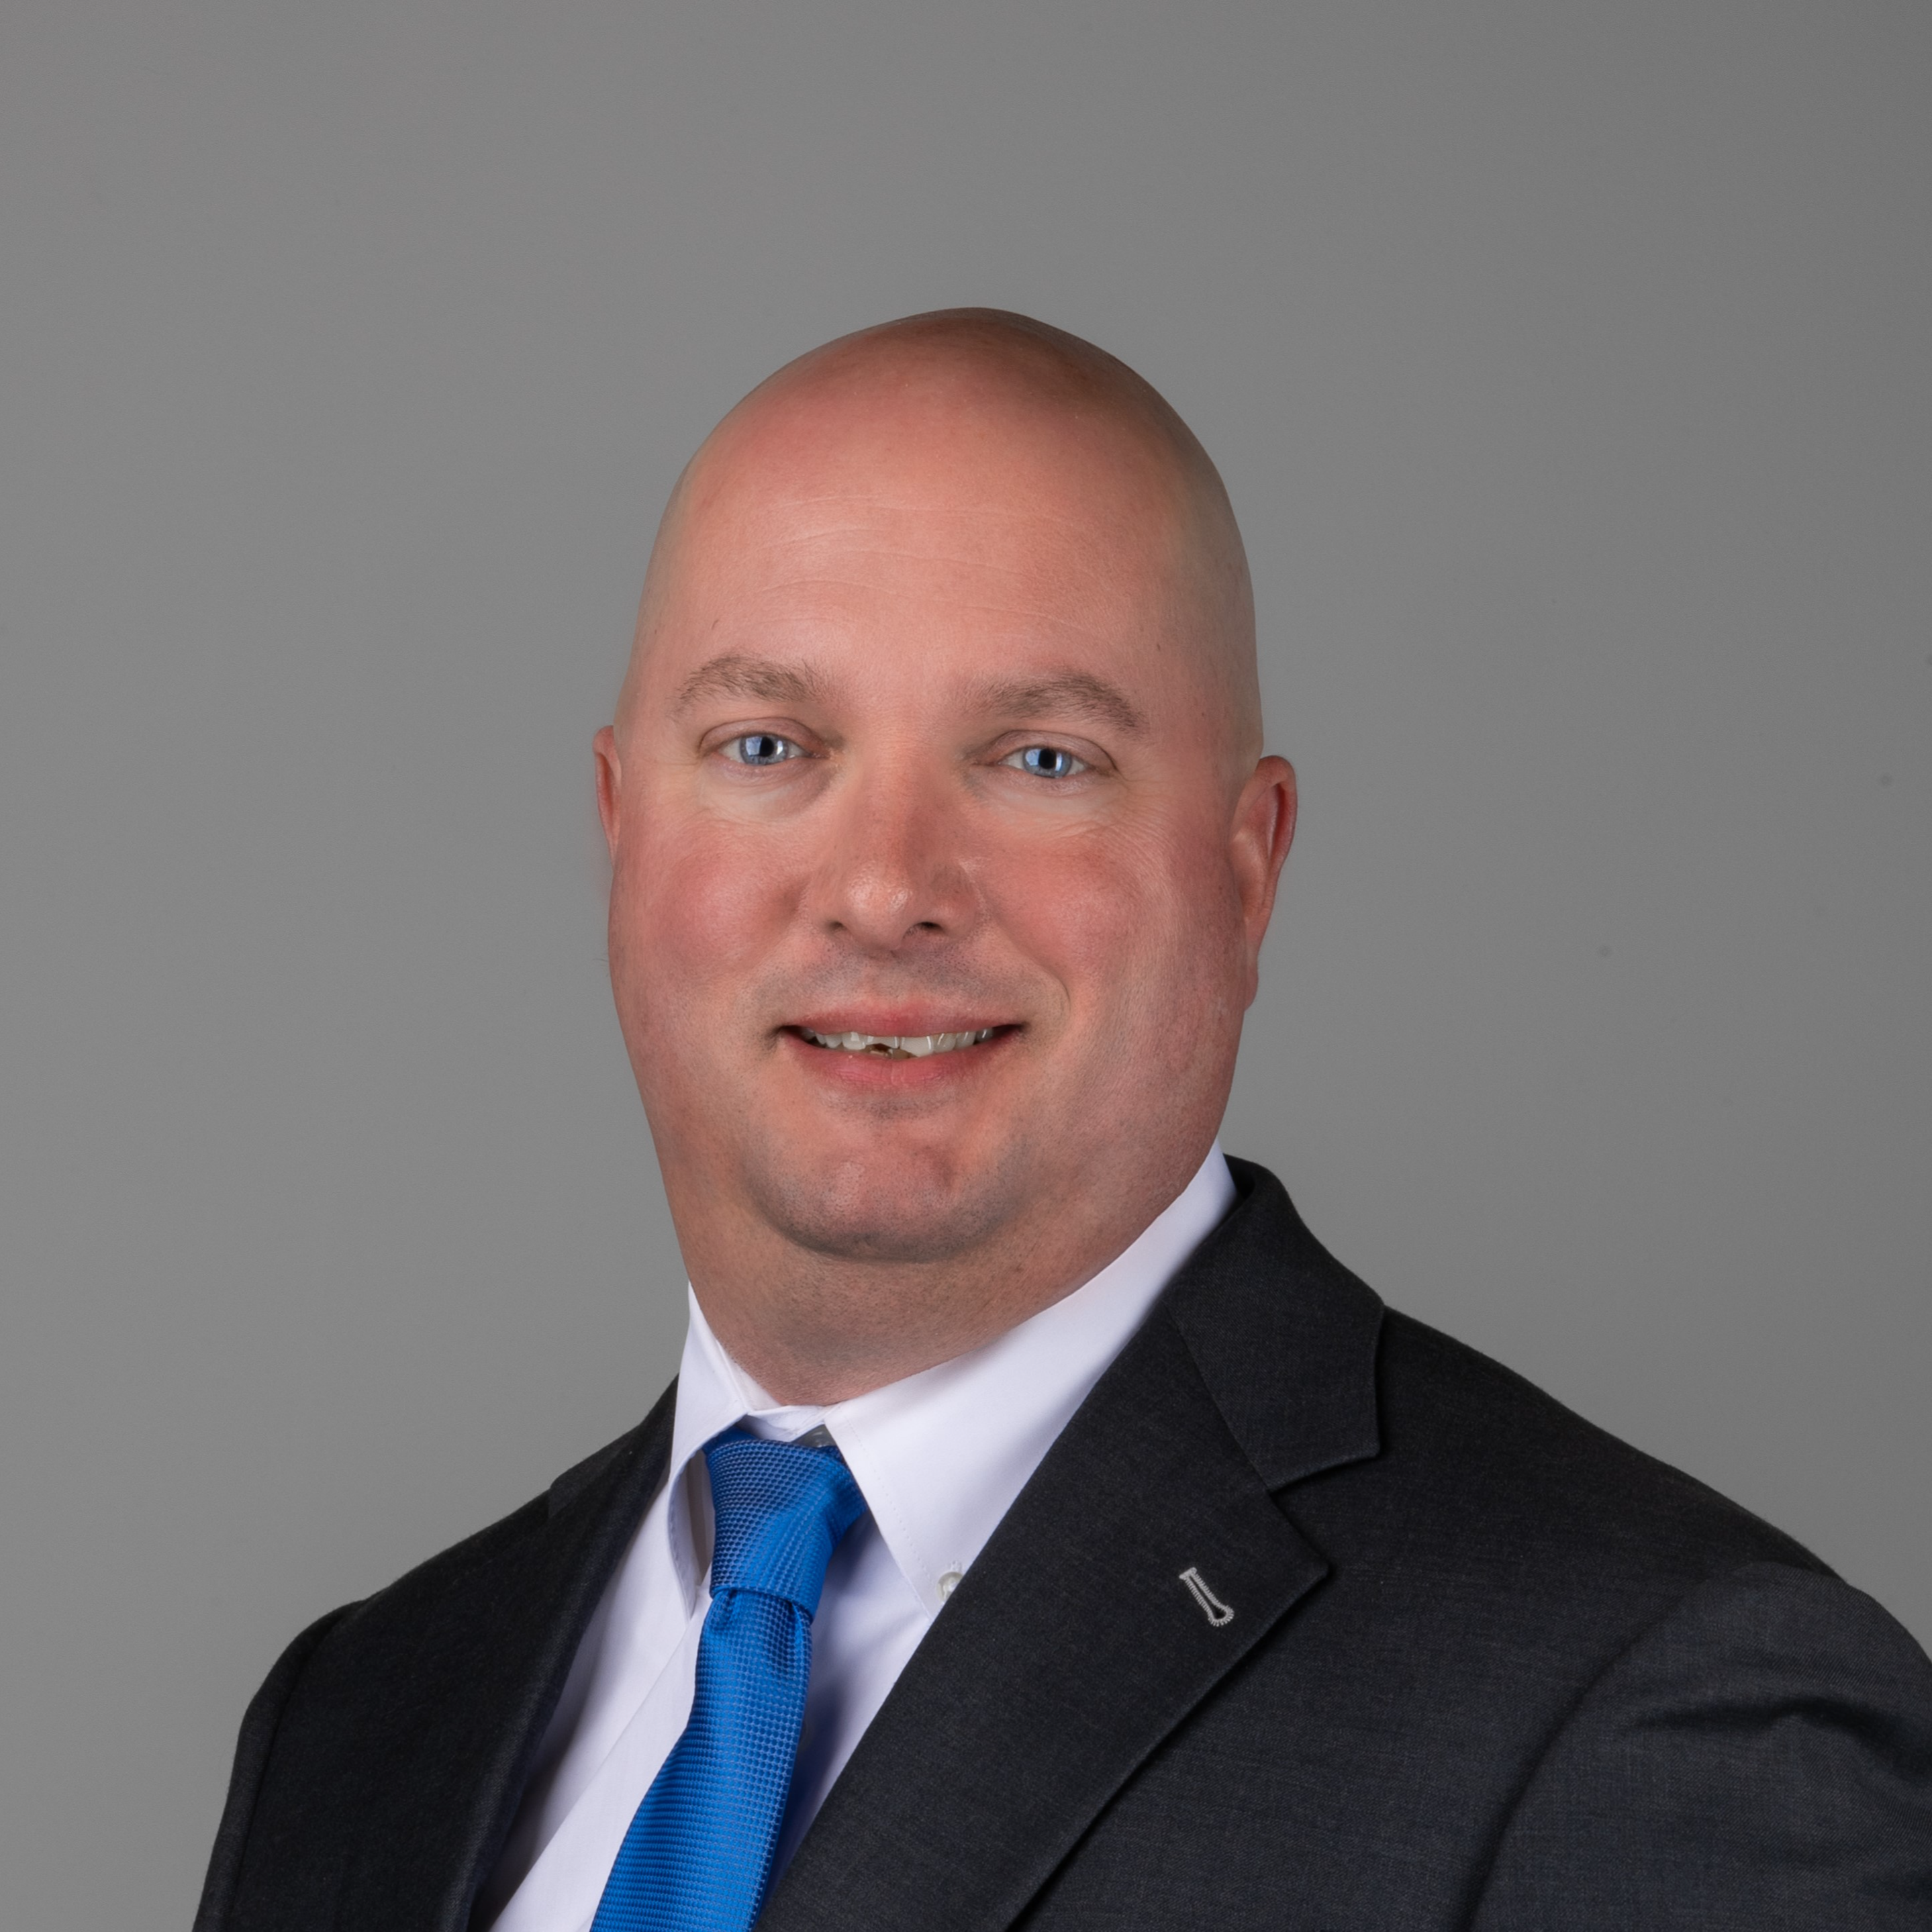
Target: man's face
923 747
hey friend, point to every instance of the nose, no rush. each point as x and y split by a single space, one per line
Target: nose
894 873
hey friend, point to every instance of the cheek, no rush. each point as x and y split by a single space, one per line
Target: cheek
690 916
1142 931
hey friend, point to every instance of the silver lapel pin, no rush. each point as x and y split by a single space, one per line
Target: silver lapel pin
1216 1613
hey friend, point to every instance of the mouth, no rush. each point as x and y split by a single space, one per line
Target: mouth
897 1045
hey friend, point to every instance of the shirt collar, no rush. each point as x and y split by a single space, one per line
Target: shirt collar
941 1455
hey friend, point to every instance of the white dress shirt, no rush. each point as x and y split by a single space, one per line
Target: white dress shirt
939 1457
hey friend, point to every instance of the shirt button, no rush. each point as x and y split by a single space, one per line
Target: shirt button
948 1584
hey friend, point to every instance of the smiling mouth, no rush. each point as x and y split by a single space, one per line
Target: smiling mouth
897 1046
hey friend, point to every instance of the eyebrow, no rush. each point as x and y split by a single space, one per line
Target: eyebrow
734 675
1076 692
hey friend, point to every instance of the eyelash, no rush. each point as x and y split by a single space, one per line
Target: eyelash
1077 764
736 751
733 748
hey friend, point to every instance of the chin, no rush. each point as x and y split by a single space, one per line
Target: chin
894 1206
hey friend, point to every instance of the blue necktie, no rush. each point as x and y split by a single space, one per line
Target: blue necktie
698 1854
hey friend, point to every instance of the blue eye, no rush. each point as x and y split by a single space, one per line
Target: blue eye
759 748
1047 761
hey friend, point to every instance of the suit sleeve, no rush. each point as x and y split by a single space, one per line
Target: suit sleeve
1761 1758
252 1750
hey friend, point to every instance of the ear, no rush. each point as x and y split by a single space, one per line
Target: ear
1263 830
610 783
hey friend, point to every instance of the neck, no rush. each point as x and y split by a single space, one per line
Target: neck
818 1328
824 1330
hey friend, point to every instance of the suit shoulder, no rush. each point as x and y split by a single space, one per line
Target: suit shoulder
252 1750
1768 1744
1501 1462
450 1572
437 1576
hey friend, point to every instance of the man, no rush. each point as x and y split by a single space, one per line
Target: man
1042 1527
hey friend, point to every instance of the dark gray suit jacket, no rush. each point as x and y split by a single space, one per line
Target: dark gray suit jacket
1487 1668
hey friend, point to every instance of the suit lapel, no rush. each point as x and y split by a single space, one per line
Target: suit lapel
593 1511
1078 1642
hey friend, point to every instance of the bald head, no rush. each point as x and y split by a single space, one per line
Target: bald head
993 416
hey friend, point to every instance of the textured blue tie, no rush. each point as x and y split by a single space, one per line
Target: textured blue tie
698 1854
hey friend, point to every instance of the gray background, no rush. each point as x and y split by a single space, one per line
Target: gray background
1569 367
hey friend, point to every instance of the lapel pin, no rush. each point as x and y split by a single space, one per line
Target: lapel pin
1216 1613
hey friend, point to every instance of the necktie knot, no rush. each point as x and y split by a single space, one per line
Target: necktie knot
779 1511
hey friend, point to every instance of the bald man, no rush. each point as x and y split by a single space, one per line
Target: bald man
1042 1527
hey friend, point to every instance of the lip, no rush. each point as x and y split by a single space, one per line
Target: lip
875 1073
889 1022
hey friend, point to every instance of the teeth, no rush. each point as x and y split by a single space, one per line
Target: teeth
898 1046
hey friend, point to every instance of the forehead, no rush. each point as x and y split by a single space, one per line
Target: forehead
917 518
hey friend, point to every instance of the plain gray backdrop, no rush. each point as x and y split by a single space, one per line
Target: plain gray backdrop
1570 367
